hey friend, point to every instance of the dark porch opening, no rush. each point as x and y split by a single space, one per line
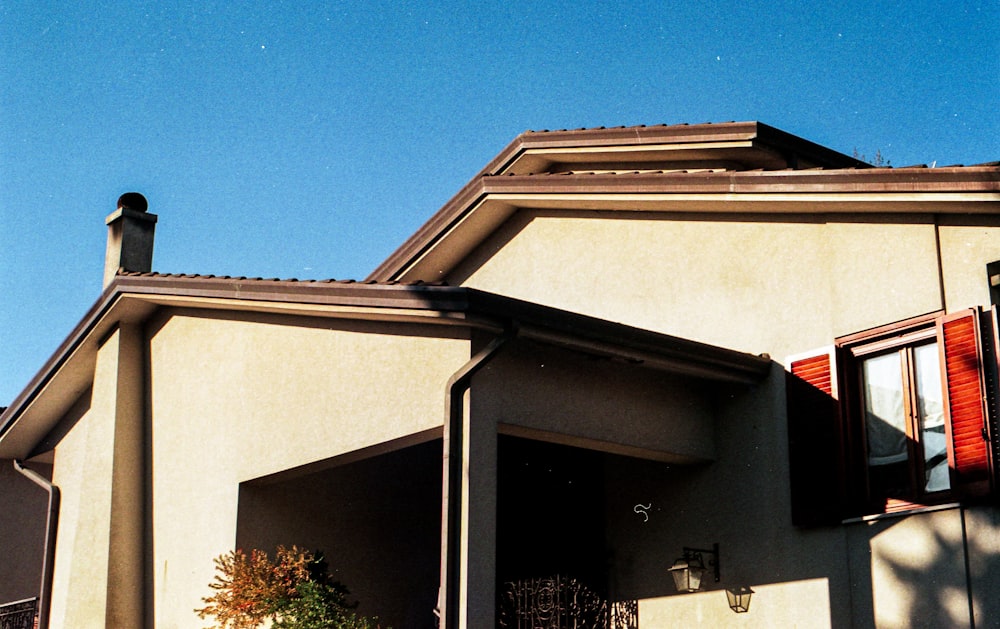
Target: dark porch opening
377 521
550 513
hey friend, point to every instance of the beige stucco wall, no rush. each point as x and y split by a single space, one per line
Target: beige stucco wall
234 400
82 471
967 246
791 605
777 284
571 398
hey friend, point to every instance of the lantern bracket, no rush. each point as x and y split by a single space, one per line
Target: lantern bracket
687 571
695 555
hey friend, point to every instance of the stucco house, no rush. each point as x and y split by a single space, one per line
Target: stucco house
612 350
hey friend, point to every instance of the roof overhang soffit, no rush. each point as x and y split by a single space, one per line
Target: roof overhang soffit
486 203
718 155
738 145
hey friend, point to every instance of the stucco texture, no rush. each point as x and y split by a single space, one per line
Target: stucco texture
233 399
742 282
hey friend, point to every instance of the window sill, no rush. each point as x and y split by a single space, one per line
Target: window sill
902 513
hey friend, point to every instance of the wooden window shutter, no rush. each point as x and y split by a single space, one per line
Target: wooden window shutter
814 439
965 409
991 384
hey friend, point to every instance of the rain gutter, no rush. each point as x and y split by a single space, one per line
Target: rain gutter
455 429
51 526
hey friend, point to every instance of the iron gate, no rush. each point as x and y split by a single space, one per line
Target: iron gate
19 615
561 603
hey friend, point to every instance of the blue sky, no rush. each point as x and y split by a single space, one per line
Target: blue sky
309 139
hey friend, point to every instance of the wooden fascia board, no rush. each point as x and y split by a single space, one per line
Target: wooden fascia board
939 180
656 134
737 154
754 203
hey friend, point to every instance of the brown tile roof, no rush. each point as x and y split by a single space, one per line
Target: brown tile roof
747 142
243 278
662 125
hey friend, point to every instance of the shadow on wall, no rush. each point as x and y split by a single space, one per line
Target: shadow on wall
937 569
907 571
22 526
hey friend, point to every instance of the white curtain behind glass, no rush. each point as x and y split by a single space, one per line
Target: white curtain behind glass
930 406
885 418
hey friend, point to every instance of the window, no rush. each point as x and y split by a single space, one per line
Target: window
901 411
893 418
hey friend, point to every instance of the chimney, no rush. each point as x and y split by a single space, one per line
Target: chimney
130 237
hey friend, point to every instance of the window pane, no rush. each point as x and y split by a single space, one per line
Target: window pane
930 410
885 422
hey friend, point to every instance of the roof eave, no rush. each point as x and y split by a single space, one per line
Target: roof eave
796 151
68 373
134 298
487 202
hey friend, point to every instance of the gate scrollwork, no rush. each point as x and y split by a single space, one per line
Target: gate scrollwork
19 615
561 603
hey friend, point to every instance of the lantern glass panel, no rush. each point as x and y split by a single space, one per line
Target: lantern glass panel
739 599
687 575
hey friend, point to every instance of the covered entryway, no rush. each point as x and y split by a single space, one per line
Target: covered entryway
553 553
550 513
377 521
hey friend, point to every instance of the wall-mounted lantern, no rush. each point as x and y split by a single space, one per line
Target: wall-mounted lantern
739 599
689 569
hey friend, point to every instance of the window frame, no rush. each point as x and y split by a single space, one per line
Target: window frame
900 338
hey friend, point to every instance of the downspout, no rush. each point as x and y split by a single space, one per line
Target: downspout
51 525
454 464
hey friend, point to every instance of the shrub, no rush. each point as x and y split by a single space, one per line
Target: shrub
295 591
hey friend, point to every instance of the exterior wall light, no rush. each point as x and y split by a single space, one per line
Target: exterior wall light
689 569
739 599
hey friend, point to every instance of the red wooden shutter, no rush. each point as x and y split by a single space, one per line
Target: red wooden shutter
814 438
990 347
968 452
817 371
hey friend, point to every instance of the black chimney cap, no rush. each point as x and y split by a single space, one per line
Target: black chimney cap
133 201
